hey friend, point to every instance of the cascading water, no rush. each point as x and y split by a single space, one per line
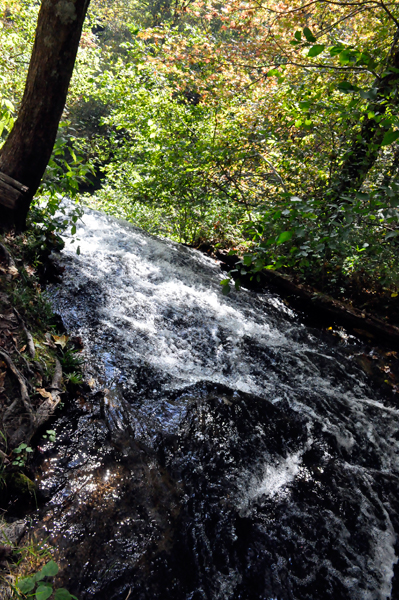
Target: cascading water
236 453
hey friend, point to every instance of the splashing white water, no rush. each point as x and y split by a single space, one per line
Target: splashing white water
154 321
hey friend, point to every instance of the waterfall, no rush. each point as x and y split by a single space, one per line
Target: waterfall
235 453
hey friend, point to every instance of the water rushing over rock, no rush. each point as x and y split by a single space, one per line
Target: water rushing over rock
236 453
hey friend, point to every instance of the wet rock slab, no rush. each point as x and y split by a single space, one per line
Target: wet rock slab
234 455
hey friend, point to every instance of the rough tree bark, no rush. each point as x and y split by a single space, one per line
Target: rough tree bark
366 146
28 148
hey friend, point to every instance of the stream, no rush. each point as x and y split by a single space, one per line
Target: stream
236 454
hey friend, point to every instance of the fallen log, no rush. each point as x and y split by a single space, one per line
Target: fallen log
361 322
318 304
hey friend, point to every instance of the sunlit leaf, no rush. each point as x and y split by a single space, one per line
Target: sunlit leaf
50 569
62 594
308 35
26 585
316 50
43 592
285 236
346 87
61 340
389 137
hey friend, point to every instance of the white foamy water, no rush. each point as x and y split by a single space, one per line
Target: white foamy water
155 323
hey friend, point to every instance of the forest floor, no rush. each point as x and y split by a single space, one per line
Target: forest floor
38 368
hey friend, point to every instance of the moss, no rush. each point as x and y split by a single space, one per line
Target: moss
19 485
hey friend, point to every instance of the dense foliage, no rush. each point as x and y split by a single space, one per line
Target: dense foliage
267 128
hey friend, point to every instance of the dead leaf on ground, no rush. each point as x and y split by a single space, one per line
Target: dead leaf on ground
23 348
13 271
44 393
30 270
61 340
49 341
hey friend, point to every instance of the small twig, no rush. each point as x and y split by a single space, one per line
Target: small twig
275 172
29 338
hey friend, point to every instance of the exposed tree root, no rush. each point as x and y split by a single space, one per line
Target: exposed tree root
14 420
25 362
21 380
11 418
29 338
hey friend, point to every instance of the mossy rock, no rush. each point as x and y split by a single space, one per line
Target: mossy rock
18 485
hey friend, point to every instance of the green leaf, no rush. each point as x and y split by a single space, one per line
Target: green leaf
50 569
247 260
226 289
298 35
272 72
62 594
346 87
335 50
316 50
39 576
43 592
347 56
391 234
284 237
389 137
26 585
308 35
370 95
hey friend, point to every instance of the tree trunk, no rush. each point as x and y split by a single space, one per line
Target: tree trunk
28 148
365 148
